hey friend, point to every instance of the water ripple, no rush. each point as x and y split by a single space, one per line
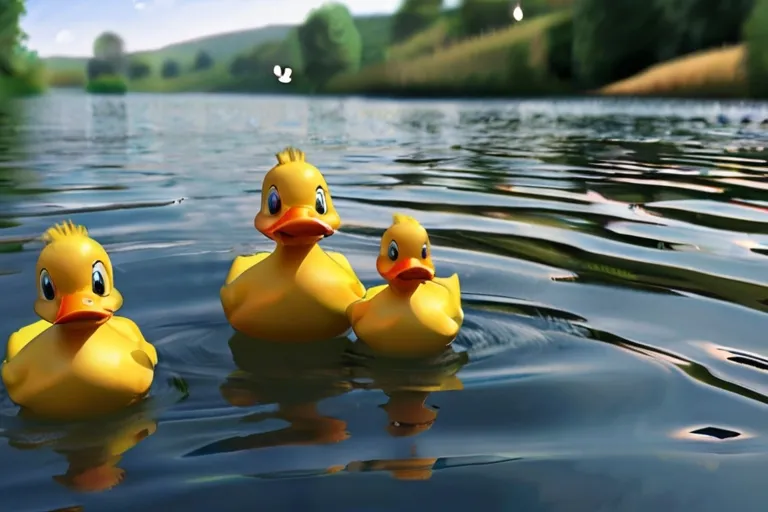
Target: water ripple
613 263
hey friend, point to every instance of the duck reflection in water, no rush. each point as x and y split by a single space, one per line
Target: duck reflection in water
408 384
295 381
93 451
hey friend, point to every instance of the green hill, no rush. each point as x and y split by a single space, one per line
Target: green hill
70 71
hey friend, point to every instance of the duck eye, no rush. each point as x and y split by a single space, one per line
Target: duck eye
99 279
273 201
320 204
46 285
424 252
393 252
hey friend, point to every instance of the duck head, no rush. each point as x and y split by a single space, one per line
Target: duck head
296 207
74 279
405 256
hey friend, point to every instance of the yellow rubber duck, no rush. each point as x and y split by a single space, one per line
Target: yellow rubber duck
416 314
80 360
299 292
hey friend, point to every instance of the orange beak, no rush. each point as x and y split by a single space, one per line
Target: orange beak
79 307
299 223
409 270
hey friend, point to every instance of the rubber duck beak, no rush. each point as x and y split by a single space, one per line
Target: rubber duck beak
80 307
298 224
409 270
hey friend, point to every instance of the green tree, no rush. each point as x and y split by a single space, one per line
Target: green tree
330 43
695 25
414 16
109 47
170 69
11 35
756 37
614 39
203 60
478 16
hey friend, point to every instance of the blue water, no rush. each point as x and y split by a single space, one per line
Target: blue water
615 285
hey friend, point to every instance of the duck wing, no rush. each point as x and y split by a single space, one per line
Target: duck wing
343 262
243 263
453 286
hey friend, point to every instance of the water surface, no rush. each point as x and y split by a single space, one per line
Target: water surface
614 266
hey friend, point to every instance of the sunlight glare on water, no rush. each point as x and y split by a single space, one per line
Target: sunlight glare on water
614 265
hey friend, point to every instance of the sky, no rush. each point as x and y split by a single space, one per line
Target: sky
58 27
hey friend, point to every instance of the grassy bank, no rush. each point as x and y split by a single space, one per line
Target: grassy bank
512 61
716 73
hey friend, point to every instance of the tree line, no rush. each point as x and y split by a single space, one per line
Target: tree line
110 60
604 41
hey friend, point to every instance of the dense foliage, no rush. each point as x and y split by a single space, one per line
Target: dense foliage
756 35
413 17
613 39
330 43
616 39
693 25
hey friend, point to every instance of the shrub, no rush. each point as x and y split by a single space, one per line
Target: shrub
202 61
170 69
107 84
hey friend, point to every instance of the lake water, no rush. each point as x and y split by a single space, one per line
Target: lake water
614 266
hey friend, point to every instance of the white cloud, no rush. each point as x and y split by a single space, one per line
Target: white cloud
64 37
139 5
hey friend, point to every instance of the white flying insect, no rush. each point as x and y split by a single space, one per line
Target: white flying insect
517 13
